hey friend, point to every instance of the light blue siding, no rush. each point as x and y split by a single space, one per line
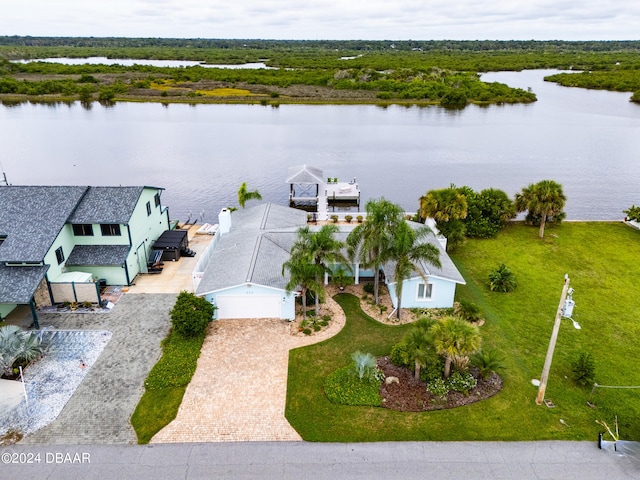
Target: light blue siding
442 294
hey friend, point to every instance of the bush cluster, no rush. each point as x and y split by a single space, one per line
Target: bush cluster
191 314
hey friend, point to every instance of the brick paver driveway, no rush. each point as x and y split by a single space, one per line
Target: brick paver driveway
238 392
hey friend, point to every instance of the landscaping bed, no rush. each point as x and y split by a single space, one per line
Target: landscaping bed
411 395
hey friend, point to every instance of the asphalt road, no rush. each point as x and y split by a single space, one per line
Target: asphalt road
319 461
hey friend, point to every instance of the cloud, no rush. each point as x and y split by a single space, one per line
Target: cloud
326 19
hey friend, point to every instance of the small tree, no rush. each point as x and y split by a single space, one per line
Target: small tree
452 338
191 314
544 201
502 280
583 369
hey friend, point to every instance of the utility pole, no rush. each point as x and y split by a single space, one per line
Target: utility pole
552 343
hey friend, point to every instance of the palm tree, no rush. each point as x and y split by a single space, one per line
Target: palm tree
244 195
302 274
420 344
369 242
543 199
444 205
18 346
453 337
408 251
322 249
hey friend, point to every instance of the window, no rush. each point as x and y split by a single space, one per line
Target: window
424 291
156 198
2 238
148 208
110 229
83 230
59 255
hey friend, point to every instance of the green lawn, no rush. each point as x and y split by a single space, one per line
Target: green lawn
600 258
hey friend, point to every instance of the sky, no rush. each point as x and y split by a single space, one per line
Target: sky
326 19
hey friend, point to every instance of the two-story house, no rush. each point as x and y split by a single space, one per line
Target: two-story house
47 232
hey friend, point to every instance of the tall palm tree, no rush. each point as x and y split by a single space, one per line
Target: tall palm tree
444 205
369 242
454 337
408 251
245 195
322 249
302 274
544 199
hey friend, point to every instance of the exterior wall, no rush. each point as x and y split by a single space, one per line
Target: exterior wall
6 309
288 306
66 240
42 297
114 275
442 295
97 238
145 229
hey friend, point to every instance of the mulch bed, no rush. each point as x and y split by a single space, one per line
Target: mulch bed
411 395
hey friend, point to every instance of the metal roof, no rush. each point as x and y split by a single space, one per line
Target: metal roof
304 174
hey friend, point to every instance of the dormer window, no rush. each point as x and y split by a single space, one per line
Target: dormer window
110 229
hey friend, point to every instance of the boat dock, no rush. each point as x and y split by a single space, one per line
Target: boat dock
310 191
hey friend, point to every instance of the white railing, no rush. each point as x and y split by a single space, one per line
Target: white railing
205 258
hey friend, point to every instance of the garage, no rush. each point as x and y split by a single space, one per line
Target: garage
248 306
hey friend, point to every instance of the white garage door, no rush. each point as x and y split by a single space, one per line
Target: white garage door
248 306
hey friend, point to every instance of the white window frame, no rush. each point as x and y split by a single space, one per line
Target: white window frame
422 298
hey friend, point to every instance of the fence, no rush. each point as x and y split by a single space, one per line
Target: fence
205 258
75 292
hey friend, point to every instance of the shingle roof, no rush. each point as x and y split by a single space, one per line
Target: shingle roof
447 270
31 218
18 284
107 205
98 255
254 249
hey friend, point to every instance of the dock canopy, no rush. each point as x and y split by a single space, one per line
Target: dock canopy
304 174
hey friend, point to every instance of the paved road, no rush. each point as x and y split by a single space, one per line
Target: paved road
302 460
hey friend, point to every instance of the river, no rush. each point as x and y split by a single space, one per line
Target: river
586 140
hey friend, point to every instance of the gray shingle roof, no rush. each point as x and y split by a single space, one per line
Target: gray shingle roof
259 243
18 284
31 218
255 248
98 255
107 205
447 270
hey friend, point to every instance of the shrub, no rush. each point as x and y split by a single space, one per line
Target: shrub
190 314
439 388
487 361
467 311
502 280
348 218
633 213
583 369
400 356
334 218
359 218
368 288
364 364
343 387
462 382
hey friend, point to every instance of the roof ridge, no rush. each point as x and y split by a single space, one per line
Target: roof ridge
265 216
254 258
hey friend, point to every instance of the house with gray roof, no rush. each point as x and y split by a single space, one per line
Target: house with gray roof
49 232
244 277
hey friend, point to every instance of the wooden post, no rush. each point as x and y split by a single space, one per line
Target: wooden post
552 343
